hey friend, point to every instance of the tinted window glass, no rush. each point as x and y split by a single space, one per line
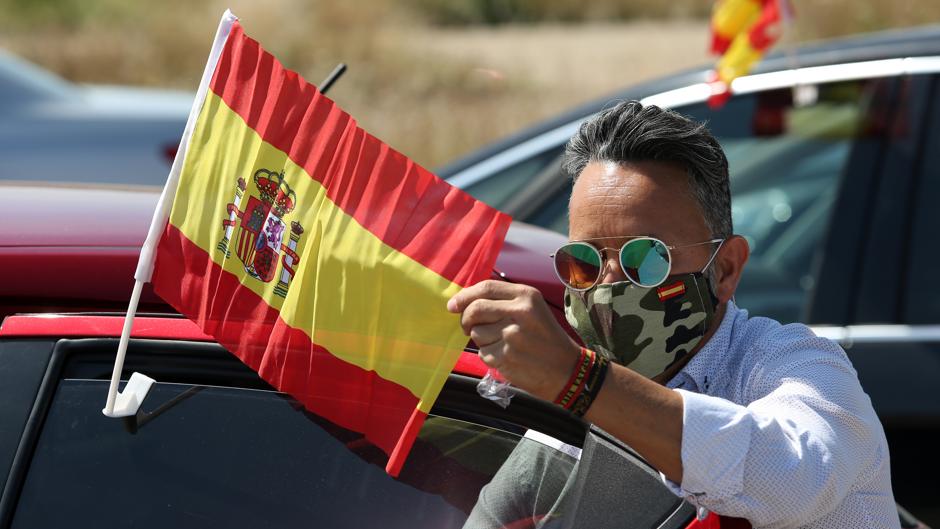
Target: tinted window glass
553 214
498 188
786 161
208 456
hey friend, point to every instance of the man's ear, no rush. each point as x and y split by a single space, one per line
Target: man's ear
728 266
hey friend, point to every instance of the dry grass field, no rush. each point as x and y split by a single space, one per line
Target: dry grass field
432 89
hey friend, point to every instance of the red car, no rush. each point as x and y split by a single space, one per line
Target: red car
214 445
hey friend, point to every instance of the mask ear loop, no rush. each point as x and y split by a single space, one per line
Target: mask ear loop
714 255
708 264
701 299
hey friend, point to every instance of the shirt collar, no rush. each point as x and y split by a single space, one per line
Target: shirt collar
704 368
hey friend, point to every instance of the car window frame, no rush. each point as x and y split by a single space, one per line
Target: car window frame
880 281
527 144
25 363
923 216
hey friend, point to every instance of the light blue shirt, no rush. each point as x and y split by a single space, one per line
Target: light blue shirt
777 430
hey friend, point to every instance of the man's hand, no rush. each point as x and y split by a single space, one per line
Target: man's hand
517 334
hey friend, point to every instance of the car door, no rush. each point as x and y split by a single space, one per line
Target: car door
893 325
213 445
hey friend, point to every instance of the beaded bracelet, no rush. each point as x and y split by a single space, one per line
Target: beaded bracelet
575 385
592 386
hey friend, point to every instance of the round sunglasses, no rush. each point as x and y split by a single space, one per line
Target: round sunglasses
646 261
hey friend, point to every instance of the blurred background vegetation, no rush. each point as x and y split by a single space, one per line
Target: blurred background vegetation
434 78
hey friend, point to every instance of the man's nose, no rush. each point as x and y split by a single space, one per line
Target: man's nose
611 271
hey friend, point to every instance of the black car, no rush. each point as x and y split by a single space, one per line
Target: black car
834 152
214 446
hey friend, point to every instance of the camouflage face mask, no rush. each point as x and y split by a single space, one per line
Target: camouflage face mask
646 329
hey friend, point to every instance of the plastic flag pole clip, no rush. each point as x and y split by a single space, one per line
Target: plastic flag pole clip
127 402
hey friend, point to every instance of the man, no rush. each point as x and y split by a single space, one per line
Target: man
743 416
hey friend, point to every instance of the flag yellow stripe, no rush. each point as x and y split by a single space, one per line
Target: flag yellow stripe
390 319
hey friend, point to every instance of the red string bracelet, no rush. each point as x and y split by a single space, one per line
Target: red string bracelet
575 385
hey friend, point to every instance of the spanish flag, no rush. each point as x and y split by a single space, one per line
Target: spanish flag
314 252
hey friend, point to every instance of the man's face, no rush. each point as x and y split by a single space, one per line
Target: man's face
645 198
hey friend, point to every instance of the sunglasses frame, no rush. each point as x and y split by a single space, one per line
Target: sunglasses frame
632 238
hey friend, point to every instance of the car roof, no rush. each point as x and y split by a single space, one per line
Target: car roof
915 42
75 215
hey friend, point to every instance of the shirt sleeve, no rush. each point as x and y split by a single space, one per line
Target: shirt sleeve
787 458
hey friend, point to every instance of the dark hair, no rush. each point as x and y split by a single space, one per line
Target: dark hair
630 132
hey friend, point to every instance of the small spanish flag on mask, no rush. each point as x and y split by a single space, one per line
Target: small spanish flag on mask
671 291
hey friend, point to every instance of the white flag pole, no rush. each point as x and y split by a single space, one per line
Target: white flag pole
127 402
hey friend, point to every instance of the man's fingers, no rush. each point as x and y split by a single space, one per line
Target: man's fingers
483 312
489 289
490 333
492 354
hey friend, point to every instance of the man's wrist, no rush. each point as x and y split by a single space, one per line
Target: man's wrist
576 382
592 386
584 383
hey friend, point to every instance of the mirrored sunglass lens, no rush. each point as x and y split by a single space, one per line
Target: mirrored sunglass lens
578 265
645 261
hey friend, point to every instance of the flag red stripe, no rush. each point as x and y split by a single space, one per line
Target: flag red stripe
366 178
343 393
397 458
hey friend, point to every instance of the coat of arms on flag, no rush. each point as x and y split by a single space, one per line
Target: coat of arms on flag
262 239
311 250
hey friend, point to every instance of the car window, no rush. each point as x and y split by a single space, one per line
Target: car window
230 457
500 187
787 160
